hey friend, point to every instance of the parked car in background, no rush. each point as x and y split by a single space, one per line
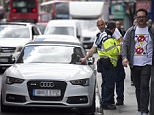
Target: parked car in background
13 36
48 73
63 27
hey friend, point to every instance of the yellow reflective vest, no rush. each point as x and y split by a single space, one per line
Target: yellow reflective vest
110 48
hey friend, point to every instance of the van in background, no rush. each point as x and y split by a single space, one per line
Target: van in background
63 27
87 12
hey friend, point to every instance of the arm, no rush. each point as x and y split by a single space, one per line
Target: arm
88 54
126 47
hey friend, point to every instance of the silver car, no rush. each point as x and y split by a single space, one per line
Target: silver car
13 36
49 74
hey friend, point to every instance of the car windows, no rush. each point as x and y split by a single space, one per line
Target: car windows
14 32
62 10
76 55
24 6
48 54
60 30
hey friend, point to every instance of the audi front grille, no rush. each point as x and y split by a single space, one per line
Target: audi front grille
7 49
46 85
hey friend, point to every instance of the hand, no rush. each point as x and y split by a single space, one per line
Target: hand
125 62
83 60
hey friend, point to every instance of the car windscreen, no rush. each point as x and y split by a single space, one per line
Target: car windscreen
50 54
14 31
60 30
62 10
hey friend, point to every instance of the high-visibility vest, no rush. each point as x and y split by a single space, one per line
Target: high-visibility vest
110 48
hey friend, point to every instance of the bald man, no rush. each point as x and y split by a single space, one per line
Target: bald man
101 27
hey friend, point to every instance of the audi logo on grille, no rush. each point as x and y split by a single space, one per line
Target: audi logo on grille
47 84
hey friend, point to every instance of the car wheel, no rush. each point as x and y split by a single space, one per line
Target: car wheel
89 110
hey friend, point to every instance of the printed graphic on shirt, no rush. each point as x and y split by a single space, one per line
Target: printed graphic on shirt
141 44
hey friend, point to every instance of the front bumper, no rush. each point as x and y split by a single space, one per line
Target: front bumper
72 96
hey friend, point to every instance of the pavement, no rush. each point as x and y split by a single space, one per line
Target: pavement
130 104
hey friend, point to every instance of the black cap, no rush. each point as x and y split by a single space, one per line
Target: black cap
111 25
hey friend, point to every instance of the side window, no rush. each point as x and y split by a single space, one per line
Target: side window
76 55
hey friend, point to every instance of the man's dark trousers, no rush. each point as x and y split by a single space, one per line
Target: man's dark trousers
141 77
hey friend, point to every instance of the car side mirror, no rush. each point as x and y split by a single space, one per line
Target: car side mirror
91 60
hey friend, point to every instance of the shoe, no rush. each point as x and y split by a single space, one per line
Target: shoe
119 103
109 107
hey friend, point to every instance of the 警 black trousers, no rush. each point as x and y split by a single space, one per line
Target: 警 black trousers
108 84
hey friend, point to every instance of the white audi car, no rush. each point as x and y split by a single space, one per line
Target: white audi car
49 74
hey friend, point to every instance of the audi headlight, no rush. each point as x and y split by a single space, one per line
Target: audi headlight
83 82
12 80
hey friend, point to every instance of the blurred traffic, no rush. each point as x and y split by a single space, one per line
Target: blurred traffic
38 37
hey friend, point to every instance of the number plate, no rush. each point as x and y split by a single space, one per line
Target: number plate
24 10
4 60
47 92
